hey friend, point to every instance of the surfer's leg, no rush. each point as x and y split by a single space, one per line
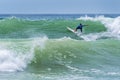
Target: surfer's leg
81 29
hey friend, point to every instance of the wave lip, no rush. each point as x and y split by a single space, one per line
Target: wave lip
15 56
112 25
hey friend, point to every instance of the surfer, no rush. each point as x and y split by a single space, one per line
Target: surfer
80 27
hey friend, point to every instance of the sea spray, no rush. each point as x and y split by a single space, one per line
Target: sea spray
112 25
40 42
15 56
9 62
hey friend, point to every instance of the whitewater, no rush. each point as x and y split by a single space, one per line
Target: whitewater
39 47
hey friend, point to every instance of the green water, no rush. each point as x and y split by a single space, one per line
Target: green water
46 50
19 28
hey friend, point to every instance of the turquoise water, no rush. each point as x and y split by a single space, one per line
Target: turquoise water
39 47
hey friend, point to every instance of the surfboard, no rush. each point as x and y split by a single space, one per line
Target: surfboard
70 29
75 32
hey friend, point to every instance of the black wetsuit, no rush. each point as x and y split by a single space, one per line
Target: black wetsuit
80 27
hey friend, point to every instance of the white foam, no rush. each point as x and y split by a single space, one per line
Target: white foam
40 42
64 38
10 62
16 58
112 25
90 37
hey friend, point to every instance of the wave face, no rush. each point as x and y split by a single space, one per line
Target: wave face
111 24
43 49
14 27
61 57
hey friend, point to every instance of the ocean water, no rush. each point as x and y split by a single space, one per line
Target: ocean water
39 47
